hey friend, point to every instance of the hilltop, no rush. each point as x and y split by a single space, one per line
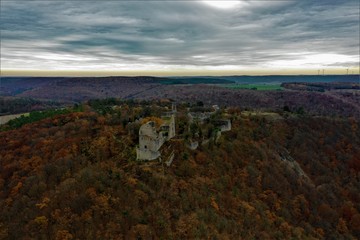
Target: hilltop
274 175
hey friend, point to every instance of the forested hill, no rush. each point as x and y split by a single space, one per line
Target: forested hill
336 99
273 176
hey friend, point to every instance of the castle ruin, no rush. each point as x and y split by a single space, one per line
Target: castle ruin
152 137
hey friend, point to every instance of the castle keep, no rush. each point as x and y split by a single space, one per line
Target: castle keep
152 137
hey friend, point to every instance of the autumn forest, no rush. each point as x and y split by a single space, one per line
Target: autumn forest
283 175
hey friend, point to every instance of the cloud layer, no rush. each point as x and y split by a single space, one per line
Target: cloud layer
178 35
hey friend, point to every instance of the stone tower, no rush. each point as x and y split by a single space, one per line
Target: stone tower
150 142
152 137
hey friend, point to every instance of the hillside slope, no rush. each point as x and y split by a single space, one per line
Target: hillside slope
74 176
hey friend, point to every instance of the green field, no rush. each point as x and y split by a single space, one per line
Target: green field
260 87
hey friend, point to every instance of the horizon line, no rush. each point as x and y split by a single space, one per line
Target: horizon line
172 76
175 73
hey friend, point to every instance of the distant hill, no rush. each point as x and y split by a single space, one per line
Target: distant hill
11 86
84 88
49 92
80 88
292 78
273 176
75 89
320 86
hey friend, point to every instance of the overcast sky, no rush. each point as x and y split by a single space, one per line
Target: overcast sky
180 37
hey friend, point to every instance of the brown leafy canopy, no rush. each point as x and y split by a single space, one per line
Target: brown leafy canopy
74 177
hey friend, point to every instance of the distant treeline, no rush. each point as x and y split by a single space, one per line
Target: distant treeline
171 81
14 105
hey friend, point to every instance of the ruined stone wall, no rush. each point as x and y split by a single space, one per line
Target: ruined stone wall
172 127
153 144
146 154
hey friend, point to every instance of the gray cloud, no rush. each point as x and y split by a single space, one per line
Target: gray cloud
157 34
